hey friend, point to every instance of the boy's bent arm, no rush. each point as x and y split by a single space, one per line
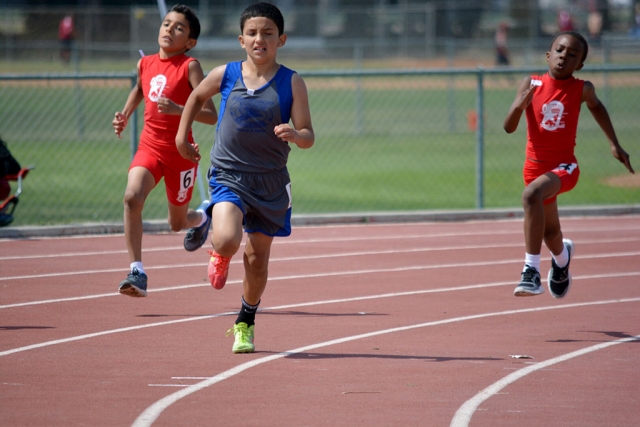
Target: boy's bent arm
601 115
133 101
302 135
203 92
208 114
523 99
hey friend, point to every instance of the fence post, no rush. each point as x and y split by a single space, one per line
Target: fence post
357 57
480 141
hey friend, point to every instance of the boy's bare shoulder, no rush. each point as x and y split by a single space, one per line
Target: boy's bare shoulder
219 70
588 92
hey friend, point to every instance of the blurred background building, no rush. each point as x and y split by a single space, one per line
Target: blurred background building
365 32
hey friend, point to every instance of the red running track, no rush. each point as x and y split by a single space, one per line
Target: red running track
361 325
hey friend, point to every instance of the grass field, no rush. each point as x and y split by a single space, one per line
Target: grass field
382 144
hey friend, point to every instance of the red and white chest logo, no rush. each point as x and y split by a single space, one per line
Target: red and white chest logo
552 115
158 83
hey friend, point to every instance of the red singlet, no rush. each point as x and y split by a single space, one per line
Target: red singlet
552 123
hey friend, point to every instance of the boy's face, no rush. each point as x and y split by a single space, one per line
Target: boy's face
260 38
565 57
174 34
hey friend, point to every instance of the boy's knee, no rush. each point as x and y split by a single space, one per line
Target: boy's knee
258 263
531 196
551 233
133 201
226 247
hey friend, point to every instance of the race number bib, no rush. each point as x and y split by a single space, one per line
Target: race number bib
187 179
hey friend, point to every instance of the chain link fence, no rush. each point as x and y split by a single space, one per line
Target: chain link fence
386 140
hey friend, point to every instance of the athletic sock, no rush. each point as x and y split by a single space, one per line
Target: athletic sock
247 313
203 218
532 261
563 258
138 265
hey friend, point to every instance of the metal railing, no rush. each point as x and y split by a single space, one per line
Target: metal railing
386 140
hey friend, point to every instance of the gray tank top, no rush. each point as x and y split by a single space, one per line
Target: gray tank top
245 140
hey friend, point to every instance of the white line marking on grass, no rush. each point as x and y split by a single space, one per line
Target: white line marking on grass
153 412
463 415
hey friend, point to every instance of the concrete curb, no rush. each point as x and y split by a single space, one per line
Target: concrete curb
160 226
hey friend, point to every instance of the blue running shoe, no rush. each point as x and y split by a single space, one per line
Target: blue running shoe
135 285
196 236
529 284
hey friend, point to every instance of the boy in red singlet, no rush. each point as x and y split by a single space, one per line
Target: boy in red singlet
165 81
552 104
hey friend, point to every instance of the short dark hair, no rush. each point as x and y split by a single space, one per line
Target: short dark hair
190 16
581 39
264 10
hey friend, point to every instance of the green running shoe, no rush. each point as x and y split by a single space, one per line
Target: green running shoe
243 334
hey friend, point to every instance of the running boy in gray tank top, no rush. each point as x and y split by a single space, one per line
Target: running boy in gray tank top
248 179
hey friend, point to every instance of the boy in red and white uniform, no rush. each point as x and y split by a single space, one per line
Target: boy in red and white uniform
165 81
552 104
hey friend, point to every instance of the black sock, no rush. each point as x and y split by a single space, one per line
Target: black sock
247 313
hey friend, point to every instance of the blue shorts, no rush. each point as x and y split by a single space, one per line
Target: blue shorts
263 198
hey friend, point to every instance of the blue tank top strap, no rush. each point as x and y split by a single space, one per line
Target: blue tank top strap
285 95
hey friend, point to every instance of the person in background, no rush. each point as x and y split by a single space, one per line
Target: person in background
594 23
565 22
66 35
635 30
502 53
8 166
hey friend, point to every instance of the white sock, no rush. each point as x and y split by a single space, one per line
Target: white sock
203 218
138 265
563 258
532 261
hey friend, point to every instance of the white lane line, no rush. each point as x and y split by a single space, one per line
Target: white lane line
168 385
281 307
318 275
463 415
110 332
572 220
87 253
330 240
153 412
299 258
286 242
276 242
